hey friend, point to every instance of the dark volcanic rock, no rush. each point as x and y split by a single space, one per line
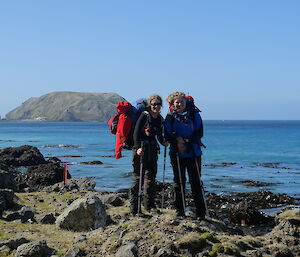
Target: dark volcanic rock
73 184
92 162
4 167
266 199
40 176
223 164
84 183
8 196
113 199
167 192
25 214
47 219
246 214
25 155
54 160
254 183
7 180
14 243
259 199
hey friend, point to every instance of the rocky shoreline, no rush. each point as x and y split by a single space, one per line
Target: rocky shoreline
42 216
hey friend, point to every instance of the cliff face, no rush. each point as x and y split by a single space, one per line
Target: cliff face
67 106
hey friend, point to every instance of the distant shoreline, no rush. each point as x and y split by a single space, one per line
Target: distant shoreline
209 120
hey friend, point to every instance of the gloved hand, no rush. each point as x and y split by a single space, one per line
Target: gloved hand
140 152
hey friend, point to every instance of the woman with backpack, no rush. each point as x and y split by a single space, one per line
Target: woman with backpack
148 129
184 130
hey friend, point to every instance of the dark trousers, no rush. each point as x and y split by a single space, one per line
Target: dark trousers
189 165
149 170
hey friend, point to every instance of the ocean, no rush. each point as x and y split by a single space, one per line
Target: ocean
237 151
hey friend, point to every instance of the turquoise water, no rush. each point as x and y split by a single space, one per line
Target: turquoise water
249 144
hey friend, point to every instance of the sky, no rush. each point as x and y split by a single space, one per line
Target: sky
238 59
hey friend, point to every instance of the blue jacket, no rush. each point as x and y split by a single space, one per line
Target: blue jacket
189 127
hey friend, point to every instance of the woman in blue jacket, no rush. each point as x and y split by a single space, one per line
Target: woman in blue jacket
184 130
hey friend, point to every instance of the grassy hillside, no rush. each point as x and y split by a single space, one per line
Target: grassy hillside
67 106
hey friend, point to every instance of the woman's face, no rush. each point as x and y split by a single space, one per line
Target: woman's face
179 104
155 106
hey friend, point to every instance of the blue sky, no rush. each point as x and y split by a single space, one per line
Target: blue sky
239 59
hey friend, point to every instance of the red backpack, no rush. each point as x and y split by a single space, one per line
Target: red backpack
121 125
113 123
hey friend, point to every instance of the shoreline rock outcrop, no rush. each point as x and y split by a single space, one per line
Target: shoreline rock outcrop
25 155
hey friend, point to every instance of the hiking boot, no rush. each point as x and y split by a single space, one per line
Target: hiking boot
155 211
200 214
133 213
180 214
200 218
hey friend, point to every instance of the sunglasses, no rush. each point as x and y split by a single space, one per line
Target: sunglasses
156 104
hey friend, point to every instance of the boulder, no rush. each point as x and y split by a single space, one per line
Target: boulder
113 199
47 219
76 252
84 214
14 243
129 250
25 214
35 249
25 155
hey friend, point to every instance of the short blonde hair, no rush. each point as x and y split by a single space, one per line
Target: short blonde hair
171 98
154 97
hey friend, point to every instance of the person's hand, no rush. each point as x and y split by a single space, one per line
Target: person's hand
165 143
180 140
140 152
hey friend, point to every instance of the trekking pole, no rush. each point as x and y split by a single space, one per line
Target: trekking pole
140 181
180 182
164 171
201 185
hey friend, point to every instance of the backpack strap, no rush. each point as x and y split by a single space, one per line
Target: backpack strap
148 117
